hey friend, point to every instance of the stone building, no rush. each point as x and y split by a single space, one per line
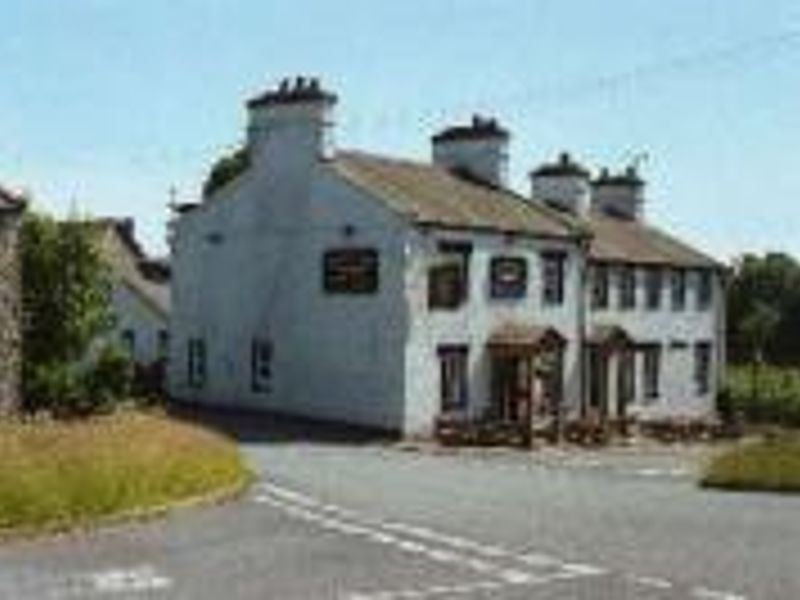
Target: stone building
11 209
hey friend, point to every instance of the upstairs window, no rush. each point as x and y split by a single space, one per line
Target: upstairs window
261 365
651 375
196 367
454 390
704 290
702 367
653 286
600 286
509 277
553 267
627 287
129 341
350 271
448 278
678 289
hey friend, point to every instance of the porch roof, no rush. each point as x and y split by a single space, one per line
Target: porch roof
609 335
525 336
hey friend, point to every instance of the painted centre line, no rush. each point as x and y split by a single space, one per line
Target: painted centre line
499 566
140 579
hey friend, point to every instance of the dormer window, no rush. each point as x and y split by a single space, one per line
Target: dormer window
509 277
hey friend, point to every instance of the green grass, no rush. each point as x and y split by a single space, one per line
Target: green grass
56 475
767 464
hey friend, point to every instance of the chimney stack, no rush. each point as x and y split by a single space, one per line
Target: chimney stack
477 151
619 195
563 185
294 119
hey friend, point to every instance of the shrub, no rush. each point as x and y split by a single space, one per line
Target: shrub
762 395
108 380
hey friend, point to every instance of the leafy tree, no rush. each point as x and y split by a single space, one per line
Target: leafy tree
757 329
772 281
66 304
226 169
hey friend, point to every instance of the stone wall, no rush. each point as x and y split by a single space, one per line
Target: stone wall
10 312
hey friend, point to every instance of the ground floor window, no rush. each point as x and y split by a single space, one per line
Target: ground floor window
163 344
651 371
454 386
702 367
129 341
598 380
626 380
196 368
261 365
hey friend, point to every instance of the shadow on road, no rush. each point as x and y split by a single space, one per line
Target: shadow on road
251 426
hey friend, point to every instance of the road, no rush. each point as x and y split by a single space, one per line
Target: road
347 517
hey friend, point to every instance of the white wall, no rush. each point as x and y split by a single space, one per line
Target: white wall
133 313
249 263
473 322
664 326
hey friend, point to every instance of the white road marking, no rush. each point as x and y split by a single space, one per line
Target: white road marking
584 570
704 593
463 552
144 578
654 472
652 582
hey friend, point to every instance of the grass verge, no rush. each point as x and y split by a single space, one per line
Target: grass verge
56 475
768 464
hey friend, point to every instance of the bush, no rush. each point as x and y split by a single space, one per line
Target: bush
80 390
769 464
109 380
51 386
767 395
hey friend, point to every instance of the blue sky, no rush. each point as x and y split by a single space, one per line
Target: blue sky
106 104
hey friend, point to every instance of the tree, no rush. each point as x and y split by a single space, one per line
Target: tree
757 329
66 288
226 169
772 280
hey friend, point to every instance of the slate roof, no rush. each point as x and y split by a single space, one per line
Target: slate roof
621 240
148 278
430 195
